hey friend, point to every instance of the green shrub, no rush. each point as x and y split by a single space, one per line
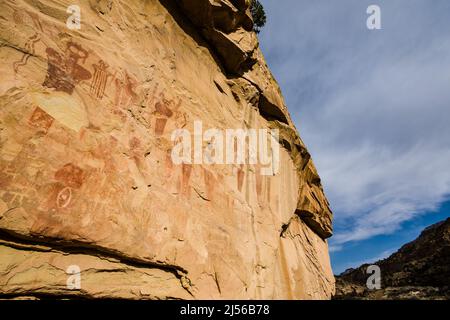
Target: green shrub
258 14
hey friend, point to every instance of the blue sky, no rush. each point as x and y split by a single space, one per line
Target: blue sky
373 107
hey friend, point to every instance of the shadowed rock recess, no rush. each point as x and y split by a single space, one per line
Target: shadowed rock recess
86 176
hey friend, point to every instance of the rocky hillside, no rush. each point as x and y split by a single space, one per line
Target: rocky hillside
92 203
419 270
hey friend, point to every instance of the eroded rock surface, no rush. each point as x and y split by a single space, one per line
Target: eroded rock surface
86 175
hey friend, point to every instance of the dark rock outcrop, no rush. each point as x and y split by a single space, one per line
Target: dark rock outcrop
419 270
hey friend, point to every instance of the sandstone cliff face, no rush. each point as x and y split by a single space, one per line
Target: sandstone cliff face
418 270
86 175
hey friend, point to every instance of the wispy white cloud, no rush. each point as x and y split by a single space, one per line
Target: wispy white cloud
335 248
372 106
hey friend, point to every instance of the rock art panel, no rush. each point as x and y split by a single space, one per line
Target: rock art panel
87 176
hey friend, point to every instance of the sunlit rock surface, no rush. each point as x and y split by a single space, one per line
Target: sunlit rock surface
86 174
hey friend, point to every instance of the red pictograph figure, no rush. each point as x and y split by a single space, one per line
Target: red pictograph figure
41 120
29 50
125 90
64 71
100 79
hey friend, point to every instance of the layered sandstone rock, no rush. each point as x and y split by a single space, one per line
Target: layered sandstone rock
87 178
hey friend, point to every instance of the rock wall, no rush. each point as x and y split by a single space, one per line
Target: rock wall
86 173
